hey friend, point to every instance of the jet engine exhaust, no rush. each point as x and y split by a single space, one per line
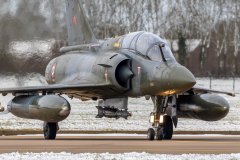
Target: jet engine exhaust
112 113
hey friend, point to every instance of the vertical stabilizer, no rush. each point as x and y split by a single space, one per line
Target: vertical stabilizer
79 30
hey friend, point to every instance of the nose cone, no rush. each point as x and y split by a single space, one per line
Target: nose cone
181 80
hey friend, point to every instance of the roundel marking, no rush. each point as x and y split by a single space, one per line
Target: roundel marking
53 70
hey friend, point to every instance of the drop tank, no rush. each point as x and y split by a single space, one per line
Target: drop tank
48 108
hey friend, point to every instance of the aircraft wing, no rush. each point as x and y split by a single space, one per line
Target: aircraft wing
56 88
204 90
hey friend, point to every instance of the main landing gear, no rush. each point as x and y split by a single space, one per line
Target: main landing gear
162 123
50 130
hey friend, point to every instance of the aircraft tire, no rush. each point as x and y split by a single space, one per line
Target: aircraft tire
50 130
159 135
151 134
167 127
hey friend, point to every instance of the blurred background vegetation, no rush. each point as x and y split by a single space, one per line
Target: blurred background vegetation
203 34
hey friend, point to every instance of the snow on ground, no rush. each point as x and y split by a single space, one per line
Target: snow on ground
83 114
102 156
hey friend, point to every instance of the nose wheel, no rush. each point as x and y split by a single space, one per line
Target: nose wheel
151 134
167 127
159 135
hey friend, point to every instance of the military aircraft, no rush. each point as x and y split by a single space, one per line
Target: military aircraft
110 71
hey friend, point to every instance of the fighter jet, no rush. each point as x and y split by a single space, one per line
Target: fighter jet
139 64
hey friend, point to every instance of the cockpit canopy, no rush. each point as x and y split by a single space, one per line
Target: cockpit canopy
147 45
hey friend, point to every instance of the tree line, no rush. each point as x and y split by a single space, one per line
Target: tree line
215 23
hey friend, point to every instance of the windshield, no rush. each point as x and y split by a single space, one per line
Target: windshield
167 53
155 53
145 41
147 46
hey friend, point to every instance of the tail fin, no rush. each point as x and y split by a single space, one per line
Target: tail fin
79 30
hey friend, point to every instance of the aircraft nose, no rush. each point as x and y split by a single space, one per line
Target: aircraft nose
181 80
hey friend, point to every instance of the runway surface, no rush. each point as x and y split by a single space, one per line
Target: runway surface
180 144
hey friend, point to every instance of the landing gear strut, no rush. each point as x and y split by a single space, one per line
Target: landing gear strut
50 130
161 122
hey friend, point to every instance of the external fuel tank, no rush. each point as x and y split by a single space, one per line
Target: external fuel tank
207 107
48 108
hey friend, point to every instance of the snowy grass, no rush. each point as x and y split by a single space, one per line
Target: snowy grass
83 114
108 156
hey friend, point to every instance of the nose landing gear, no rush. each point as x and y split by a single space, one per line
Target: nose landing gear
164 130
162 123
